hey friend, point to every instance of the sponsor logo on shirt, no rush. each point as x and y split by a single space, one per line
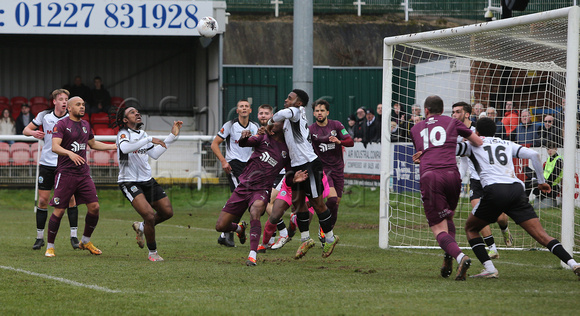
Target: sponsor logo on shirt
76 147
326 147
265 157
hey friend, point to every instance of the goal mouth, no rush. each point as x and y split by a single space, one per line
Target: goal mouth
530 61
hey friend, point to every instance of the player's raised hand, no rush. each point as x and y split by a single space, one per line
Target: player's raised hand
158 141
262 130
175 128
246 133
417 157
300 176
334 140
544 187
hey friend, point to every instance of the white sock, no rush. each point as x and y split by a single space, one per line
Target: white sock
40 234
304 236
461 255
73 231
272 240
329 236
152 252
49 245
488 265
284 233
571 263
223 235
253 254
493 247
85 239
142 227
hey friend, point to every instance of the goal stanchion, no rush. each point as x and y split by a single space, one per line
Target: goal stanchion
530 62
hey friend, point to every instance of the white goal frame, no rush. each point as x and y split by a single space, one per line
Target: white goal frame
570 111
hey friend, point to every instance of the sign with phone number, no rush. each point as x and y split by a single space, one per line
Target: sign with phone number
103 17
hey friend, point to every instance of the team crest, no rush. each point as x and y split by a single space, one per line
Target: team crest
56 200
123 136
133 189
54 130
84 129
284 154
333 133
283 193
40 179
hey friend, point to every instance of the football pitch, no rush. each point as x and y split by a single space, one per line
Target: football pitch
199 277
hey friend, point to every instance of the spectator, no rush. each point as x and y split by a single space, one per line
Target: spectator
78 89
372 128
477 110
510 118
414 120
396 135
7 125
359 127
397 115
500 129
553 172
23 119
526 134
548 132
100 97
416 110
351 122
379 117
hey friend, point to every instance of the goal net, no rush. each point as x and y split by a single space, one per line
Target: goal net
530 62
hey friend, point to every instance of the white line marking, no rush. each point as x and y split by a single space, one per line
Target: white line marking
74 283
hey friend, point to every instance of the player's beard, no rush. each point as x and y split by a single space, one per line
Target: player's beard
138 125
321 120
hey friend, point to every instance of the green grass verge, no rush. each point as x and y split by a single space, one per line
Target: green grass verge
199 277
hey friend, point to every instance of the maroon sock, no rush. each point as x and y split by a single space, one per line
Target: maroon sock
332 205
448 244
233 227
269 230
53 225
91 221
451 228
255 232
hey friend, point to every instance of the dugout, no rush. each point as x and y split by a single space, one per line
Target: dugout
147 52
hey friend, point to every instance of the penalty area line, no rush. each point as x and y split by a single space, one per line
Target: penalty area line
70 282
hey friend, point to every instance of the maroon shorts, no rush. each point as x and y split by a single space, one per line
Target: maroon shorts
335 180
242 198
67 185
440 194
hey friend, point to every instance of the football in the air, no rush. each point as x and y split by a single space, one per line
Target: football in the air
207 27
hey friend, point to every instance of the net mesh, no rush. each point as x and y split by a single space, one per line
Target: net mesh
523 67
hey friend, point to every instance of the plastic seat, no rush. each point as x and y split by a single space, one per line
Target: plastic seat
37 108
116 101
4 154
115 158
20 154
100 118
18 101
39 100
100 157
4 100
34 152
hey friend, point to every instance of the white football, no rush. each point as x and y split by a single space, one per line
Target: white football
207 27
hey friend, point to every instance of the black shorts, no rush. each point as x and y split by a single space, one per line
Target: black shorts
278 181
151 189
237 169
313 186
46 177
504 198
475 189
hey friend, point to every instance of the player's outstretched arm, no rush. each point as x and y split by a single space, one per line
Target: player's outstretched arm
32 130
475 140
97 145
176 127
215 148
59 150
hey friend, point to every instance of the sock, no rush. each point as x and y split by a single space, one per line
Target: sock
572 263
142 227
556 248
255 232
488 265
281 225
41 216
448 244
324 219
252 255
234 227
490 242
152 246
222 235
53 225
451 228
329 237
332 205
304 236
73 220
272 240
269 229
85 239
284 232
459 258
478 247
303 221
91 221
49 245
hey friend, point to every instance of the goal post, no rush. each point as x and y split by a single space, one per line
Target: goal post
531 60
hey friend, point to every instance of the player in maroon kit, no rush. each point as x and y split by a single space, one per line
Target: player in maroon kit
328 137
269 157
70 138
435 140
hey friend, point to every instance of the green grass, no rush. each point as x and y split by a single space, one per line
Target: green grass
199 277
